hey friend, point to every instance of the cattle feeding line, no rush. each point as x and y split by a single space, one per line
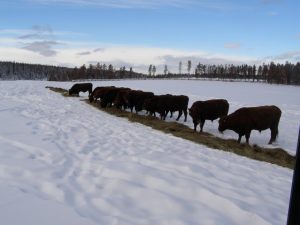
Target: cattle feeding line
276 156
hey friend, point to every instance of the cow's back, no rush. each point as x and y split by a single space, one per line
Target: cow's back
210 109
257 118
264 117
177 102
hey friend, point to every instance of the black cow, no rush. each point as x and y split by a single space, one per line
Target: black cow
81 87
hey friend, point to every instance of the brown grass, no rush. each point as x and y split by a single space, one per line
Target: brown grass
276 156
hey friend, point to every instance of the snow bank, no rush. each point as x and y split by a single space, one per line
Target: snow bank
60 155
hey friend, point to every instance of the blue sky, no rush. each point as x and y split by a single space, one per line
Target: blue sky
137 32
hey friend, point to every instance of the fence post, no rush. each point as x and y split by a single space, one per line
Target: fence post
294 207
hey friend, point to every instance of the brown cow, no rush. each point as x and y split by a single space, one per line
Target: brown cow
167 103
131 98
110 95
244 120
98 92
208 110
81 87
120 100
135 99
150 105
141 97
177 103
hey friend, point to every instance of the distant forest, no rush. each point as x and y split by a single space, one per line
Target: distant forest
24 71
287 73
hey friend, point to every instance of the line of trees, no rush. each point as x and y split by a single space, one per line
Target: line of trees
287 73
100 71
271 73
24 71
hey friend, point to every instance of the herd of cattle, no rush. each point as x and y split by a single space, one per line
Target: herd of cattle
242 121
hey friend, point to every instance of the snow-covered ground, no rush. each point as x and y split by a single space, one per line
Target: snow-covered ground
64 162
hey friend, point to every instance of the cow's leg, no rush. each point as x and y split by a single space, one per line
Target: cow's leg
171 113
240 138
195 125
274 132
202 122
161 115
247 135
179 115
166 113
185 115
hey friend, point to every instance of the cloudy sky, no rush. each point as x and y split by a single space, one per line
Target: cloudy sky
138 32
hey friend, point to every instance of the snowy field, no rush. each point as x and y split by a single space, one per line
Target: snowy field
64 162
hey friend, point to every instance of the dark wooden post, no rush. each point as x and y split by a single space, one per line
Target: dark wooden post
294 208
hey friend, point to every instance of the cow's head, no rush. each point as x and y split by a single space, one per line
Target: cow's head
223 124
91 98
192 112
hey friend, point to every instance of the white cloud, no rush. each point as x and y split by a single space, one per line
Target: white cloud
232 45
44 48
137 57
99 50
75 53
36 32
287 55
84 53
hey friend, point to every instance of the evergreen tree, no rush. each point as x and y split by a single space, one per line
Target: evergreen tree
180 67
153 70
189 66
166 70
150 70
